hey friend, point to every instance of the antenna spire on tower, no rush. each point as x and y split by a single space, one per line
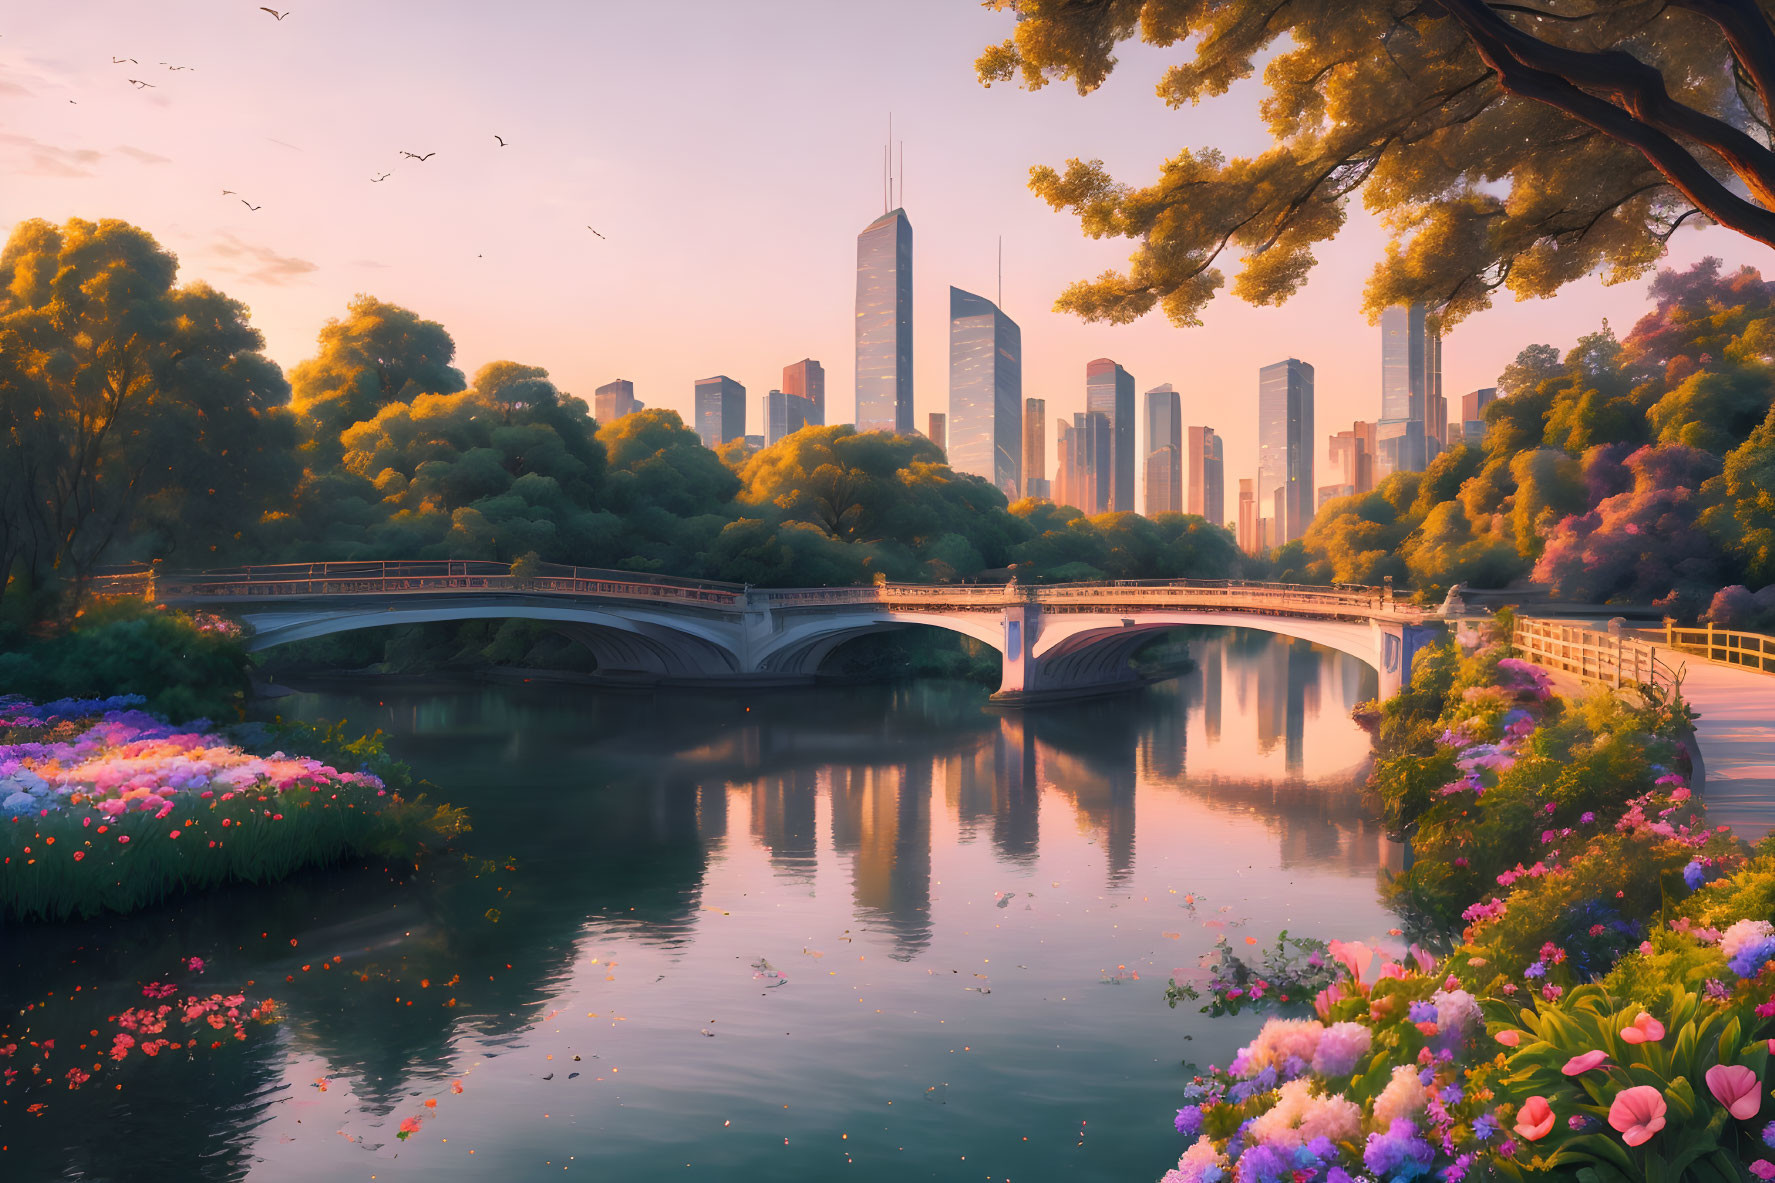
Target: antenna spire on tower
1001 273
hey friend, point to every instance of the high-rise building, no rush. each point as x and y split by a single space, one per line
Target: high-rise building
1064 464
807 378
985 392
613 400
1035 447
1248 541
1332 493
884 324
1411 385
1164 435
1473 405
785 414
939 432
1285 442
1207 464
720 410
1352 456
1109 400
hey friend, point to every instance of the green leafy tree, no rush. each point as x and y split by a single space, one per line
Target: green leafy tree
379 353
130 406
1514 146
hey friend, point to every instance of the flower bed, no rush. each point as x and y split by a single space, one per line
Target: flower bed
106 807
1605 1005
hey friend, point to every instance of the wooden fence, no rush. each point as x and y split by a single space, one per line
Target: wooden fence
1752 651
1593 654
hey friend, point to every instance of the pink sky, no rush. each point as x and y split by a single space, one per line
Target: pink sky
729 155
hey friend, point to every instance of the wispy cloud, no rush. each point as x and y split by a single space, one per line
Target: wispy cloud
369 263
32 157
142 155
259 262
28 156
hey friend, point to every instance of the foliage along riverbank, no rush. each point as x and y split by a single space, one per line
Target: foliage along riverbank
111 802
1597 996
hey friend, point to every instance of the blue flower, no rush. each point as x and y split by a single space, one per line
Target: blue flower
1484 1127
1452 1095
1694 874
1749 961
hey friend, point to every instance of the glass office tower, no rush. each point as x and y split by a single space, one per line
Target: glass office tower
720 410
985 392
807 378
884 325
1164 431
1285 450
1109 401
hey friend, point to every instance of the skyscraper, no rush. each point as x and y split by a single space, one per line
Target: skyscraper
784 414
1164 451
1109 401
939 432
613 400
884 324
1247 516
1285 449
1207 464
807 378
1035 447
1352 456
985 392
1064 464
720 410
1473 405
1411 385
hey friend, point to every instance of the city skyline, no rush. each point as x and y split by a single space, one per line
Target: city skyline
785 284
985 427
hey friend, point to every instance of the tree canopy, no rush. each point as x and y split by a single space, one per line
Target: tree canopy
1514 146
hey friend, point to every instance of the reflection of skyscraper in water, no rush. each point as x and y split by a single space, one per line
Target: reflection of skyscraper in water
882 816
711 813
1101 787
1016 816
783 821
1271 670
1213 666
1303 678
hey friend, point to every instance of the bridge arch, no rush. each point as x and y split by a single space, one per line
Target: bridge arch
629 641
800 647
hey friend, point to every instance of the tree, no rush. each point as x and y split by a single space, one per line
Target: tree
1506 145
378 354
130 406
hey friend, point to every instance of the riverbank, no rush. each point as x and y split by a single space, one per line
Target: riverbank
1593 980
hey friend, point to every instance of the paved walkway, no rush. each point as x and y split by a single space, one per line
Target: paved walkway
1735 730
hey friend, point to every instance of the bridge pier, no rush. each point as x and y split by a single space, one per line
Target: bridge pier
1396 643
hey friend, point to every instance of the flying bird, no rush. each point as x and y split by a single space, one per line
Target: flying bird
229 192
383 177
599 235
501 139
132 61
248 204
172 67
139 84
416 156
274 12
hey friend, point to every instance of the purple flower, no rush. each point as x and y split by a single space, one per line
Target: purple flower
1535 970
1586 818
1398 1155
1452 1095
1189 1121
1422 1011
1750 958
1484 1127
1694 874
1769 1134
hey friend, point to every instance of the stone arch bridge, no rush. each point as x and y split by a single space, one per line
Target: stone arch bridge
1057 640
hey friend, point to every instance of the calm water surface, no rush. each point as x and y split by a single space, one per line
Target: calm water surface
971 915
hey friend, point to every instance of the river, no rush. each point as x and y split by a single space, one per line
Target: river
869 932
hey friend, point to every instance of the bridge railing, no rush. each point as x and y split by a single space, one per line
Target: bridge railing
1593 654
425 576
1751 651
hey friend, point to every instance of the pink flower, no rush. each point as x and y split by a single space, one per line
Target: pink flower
1737 1088
195 964
1509 1037
1645 1029
1535 1119
1578 1065
1637 1113
1762 1168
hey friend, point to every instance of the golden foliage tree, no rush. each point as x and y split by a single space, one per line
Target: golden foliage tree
1504 145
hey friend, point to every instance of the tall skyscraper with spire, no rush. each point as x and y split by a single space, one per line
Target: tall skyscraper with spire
985 392
884 324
